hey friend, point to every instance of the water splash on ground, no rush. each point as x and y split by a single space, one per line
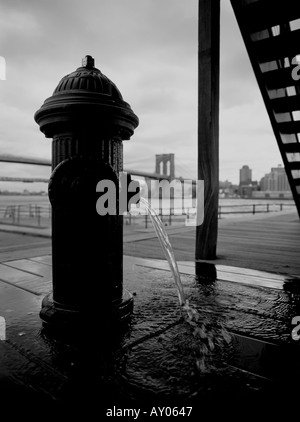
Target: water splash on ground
210 334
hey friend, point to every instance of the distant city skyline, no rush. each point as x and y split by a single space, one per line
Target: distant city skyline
246 174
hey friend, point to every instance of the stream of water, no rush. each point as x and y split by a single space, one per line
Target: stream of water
207 335
166 248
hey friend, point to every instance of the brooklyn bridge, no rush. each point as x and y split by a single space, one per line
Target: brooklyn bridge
164 168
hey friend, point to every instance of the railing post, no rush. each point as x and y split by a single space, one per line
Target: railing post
38 215
253 209
14 213
18 214
87 119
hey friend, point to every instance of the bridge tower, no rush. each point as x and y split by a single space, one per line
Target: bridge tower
165 165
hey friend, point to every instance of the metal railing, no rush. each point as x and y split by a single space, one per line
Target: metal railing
39 215
252 208
144 221
33 215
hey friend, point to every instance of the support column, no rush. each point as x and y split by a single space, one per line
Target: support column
208 124
157 163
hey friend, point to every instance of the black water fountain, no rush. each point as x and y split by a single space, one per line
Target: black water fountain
87 119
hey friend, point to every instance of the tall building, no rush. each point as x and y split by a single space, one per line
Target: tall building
245 175
276 180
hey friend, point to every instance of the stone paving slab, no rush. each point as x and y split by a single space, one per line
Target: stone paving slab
31 267
226 273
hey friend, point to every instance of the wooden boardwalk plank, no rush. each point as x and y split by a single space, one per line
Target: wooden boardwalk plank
269 243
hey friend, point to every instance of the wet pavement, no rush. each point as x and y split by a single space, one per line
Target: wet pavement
153 361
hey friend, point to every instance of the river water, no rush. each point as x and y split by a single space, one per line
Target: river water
35 209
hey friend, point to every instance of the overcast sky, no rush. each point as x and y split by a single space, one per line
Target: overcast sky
149 49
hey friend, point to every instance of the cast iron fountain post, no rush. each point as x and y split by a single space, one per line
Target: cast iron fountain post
88 119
